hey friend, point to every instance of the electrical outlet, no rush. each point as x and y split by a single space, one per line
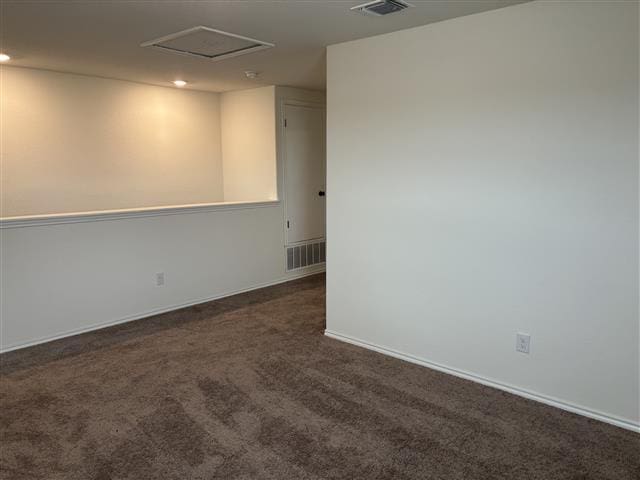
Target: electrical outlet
160 279
523 341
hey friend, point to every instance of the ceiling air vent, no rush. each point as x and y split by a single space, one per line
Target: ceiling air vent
207 43
382 7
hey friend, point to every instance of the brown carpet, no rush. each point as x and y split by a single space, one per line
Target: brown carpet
249 388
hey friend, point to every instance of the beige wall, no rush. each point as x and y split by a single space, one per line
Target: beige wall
75 143
111 262
482 181
46 264
249 144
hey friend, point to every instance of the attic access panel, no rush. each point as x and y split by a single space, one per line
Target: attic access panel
205 42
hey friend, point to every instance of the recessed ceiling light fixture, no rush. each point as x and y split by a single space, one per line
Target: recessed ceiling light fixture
209 43
4 57
179 83
251 74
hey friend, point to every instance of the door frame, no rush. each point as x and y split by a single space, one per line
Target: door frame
284 102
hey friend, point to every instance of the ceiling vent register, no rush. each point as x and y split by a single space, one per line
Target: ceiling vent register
382 7
209 43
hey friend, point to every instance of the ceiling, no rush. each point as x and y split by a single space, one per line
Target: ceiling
103 38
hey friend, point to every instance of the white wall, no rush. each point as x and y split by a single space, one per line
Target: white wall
73 143
248 122
60 279
483 181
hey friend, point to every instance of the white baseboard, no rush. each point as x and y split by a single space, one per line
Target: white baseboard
554 402
157 311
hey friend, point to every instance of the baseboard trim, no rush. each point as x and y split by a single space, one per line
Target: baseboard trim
554 402
157 311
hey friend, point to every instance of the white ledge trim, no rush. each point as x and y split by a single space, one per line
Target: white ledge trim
106 215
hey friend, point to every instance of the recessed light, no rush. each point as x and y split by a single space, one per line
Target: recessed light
179 83
4 57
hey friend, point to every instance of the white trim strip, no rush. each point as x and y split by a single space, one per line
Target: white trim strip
156 311
106 215
554 402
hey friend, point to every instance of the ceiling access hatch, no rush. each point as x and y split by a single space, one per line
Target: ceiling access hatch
209 43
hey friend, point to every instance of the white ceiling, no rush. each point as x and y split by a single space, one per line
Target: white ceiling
103 38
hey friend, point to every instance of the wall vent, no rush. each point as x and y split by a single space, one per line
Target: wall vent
305 255
382 7
209 43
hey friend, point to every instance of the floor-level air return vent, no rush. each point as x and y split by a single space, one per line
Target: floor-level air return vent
382 7
305 255
207 43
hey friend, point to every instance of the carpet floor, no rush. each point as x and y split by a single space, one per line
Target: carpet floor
248 388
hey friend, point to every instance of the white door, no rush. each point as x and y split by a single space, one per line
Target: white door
304 138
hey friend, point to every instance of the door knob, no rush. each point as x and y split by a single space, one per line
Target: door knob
321 193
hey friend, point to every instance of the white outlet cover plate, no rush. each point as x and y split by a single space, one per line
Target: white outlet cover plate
523 342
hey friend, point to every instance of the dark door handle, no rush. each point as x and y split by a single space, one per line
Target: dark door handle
321 193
